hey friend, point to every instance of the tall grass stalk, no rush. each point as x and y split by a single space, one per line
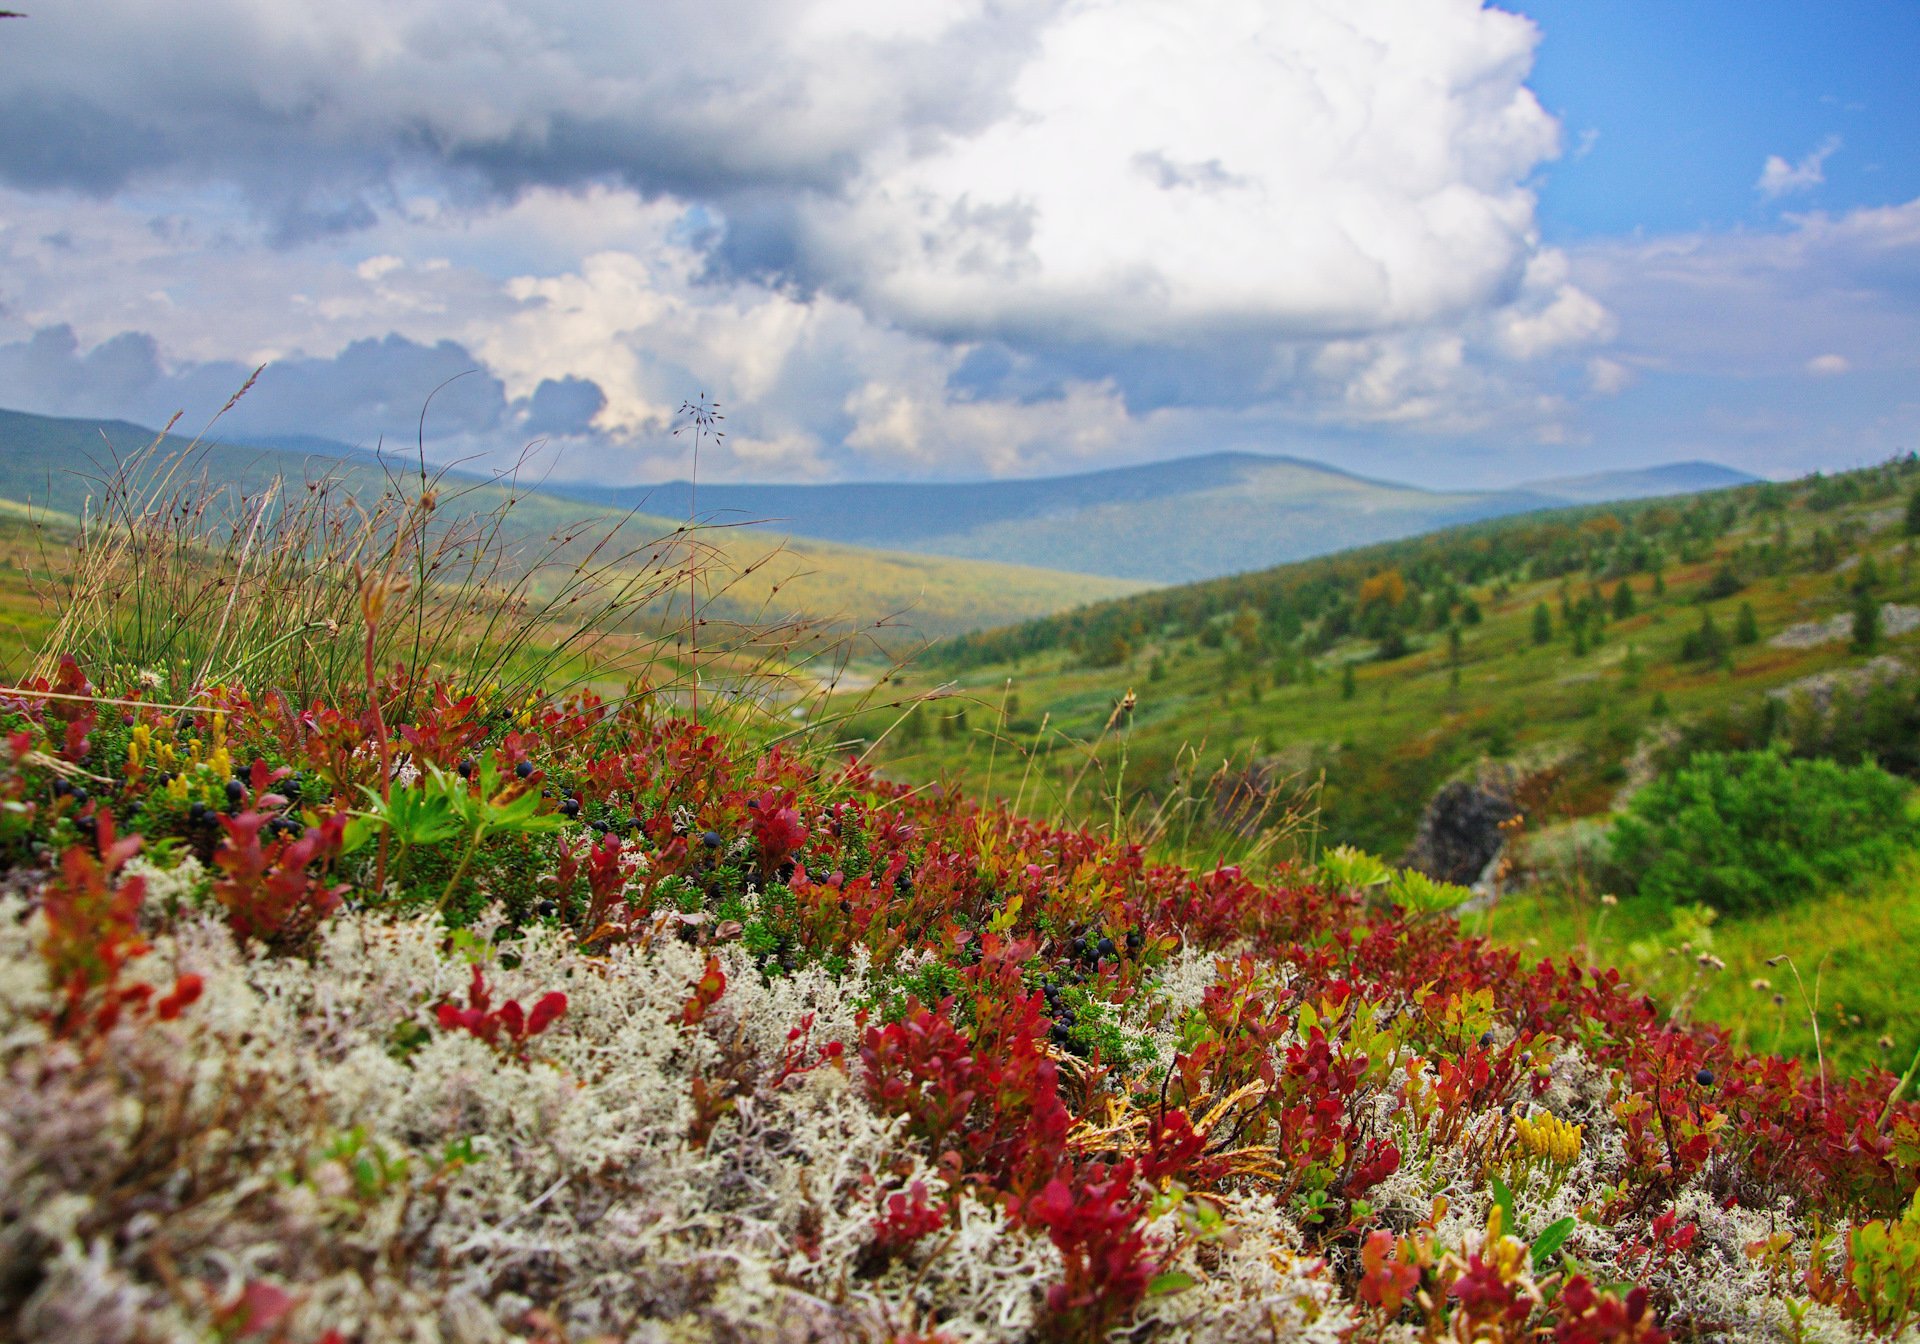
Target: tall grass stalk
190 577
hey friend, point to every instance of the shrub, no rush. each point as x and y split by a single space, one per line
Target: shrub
1748 831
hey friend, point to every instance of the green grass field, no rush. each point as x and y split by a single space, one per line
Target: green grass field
1855 963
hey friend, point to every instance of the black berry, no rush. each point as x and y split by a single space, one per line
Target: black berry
1704 1077
524 769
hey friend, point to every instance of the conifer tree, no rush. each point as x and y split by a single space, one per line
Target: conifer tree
1866 622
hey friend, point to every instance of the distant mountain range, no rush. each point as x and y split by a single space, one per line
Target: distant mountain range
1164 522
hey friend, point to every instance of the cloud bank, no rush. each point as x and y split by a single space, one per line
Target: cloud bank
951 238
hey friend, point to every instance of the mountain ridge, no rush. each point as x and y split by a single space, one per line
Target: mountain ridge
1171 521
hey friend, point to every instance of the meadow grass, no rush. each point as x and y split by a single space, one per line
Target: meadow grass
1857 953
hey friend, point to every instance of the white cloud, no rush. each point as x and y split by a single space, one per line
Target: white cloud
1608 377
947 237
1779 178
1751 304
1828 366
1550 313
1165 170
912 428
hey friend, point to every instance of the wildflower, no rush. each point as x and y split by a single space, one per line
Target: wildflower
1709 961
1608 898
1761 984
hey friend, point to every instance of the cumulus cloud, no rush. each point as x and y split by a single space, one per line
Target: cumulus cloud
1779 178
950 237
565 406
1827 366
1608 377
312 108
1319 170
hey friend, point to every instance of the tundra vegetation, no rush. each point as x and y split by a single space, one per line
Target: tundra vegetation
1564 660
401 979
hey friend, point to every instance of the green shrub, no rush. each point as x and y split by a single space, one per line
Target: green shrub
1748 831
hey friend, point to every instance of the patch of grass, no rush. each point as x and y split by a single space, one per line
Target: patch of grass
1857 952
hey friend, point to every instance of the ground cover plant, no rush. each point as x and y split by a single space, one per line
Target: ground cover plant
561 1019
424 1003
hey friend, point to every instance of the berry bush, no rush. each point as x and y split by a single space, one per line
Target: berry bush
561 1021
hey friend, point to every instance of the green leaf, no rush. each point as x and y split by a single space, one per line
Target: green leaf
1419 894
1173 1281
1503 1197
1550 1240
1352 869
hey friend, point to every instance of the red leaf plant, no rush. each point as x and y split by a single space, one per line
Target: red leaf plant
508 1027
706 992
270 888
1588 1317
92 933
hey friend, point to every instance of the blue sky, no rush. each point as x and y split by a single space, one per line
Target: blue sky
1684 101
1428 240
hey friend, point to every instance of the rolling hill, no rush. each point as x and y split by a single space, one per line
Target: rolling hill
1164 522
60 466
1565 636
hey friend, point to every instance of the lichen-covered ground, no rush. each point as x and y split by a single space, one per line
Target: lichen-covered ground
436 1018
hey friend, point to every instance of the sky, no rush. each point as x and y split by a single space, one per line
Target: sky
1428 240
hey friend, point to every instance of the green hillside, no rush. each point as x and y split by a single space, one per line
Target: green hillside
1264 511
65 466
1387 670
1568 657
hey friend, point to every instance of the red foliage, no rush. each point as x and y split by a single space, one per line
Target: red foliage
92 933
276 890
445 729
706 992
1094 1221
508 1026
909 1216
777 829
1587 1317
